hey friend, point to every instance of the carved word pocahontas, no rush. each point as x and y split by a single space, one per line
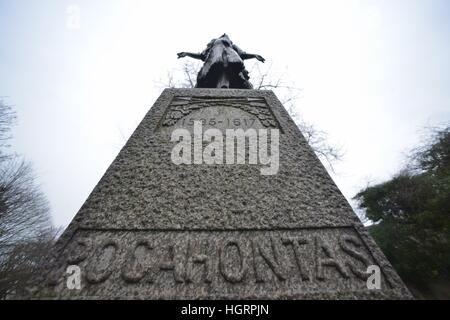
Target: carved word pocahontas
220 257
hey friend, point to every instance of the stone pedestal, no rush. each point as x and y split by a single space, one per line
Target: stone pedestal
152 229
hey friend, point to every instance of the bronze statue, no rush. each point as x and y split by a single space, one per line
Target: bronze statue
223 65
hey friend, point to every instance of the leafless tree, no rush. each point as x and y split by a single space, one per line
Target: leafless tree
7 118
266 79
24 211
182 77
26 261
25 226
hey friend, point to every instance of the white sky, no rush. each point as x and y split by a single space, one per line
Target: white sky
372 74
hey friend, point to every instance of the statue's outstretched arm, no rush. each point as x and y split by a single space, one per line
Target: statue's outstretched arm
198 56
244 55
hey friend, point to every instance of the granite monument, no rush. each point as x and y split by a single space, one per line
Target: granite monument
175 218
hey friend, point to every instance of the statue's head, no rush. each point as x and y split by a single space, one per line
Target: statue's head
211 43
225 36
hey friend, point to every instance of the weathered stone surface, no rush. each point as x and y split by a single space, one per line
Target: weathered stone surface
152 229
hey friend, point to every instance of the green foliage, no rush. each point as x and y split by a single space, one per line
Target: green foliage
412 217
435 156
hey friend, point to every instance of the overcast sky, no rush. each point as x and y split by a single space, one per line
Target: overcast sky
372 74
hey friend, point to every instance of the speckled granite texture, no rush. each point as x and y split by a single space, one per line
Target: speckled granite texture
154 230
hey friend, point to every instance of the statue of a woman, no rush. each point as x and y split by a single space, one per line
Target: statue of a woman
223 65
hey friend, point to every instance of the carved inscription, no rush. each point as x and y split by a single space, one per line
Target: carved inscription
256 108
298 258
